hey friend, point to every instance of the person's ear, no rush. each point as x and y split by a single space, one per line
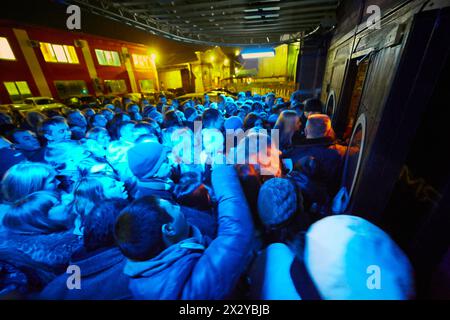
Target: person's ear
48 137
168 230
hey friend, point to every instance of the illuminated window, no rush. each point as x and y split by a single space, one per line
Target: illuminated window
107 58
17 90
70 88
6 52
142 61
147 86
58 53
116 86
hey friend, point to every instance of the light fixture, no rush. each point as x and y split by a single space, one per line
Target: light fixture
254 53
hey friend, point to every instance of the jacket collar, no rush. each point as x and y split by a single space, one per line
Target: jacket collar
166 258
98 260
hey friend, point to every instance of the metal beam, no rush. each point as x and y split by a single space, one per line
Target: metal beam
218 9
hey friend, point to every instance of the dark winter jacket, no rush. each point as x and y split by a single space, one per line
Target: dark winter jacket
329 156
47 254
102 278
192 269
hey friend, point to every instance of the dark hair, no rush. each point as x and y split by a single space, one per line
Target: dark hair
99 224
171 119
138 229
114 124
250 120
47 123
11 134
209 117
122 125
191 192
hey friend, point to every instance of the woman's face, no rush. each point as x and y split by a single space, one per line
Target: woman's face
113 189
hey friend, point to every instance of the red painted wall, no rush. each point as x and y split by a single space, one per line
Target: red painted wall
14 70
18 70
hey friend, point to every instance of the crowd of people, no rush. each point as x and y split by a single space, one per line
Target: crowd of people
113 190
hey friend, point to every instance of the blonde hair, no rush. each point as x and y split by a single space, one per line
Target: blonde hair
286 123
30 215
25 178
319 126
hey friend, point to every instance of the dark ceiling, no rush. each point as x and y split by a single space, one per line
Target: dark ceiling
225 22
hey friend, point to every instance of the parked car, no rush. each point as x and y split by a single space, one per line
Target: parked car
42 103
213 96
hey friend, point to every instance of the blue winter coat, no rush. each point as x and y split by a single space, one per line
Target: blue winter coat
192 269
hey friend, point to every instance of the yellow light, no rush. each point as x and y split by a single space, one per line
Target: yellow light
236 53
258 55
153 56
226 62
6 52
213 58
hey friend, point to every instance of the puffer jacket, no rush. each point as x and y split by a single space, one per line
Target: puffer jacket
192 269
50 253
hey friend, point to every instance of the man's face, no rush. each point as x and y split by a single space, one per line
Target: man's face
163 100
26 140
59 132
179 225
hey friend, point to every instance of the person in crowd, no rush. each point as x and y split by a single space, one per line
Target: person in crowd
25 178
115 123
97 141
107 113
162 102
288 124
55 130
117 150
169 259
76 119
100 260
283 220
241 97
149 163
91 190
28 144
253 121
35 244
33 121
321 144
269 102
313 106
99 120
206 100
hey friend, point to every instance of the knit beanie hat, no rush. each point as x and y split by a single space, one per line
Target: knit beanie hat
349 258
277 201
145 158
233 123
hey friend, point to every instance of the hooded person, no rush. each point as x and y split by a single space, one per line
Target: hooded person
149 162
350 258
170 259
345 258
